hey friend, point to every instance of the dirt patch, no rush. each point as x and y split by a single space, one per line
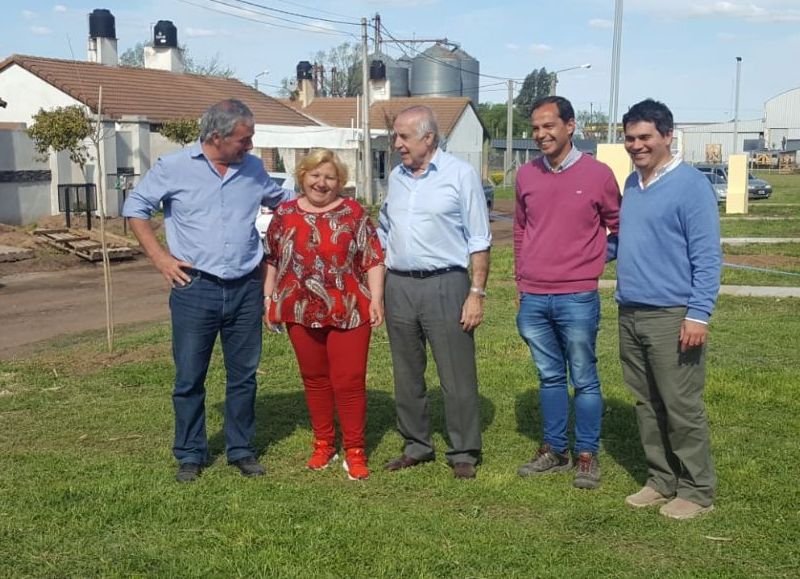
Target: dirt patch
47 258
502 225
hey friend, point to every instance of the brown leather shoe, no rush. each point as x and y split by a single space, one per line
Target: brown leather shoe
464 470
404 461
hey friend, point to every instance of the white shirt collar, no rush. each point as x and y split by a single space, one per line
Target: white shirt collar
673 163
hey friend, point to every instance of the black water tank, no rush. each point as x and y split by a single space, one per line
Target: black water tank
165 34
101 24
304 69
377 70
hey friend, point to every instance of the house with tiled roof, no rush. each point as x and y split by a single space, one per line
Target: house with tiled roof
460 128
135 102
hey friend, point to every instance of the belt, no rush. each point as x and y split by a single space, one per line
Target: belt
220 281
422 274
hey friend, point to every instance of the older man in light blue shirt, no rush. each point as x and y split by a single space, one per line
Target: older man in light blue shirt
433 225
211 193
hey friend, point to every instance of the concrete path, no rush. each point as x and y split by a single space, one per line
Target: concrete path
746 240
737 290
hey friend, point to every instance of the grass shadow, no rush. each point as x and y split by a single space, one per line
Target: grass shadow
620 438
436 413
619 435
279 415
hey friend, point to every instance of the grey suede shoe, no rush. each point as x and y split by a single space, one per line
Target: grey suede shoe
546 461
587 475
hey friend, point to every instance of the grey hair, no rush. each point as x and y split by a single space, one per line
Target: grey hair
222 118
426 121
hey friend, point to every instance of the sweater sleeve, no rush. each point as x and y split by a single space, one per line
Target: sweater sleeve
609 214
701 226
519 221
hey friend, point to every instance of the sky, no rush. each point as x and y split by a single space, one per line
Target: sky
682 52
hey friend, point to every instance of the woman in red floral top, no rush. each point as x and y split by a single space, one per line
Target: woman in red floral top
325 282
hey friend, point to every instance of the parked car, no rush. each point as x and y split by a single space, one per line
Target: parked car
264 216
720 186
756 188
488 192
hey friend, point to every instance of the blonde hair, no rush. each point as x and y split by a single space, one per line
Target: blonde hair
316 158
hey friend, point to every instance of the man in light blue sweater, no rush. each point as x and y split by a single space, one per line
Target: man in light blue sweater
668 271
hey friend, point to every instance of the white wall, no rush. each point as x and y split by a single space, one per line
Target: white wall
26 93
21 202
160 146
693 140
782 115
466 140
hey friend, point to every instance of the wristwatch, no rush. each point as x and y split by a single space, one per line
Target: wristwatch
478 290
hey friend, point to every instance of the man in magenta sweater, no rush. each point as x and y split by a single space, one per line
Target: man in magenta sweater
567 214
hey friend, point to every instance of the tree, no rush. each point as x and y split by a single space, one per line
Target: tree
68 129
535 86
592 124
338 72
62 129
495 118
134 58
341 70
181 131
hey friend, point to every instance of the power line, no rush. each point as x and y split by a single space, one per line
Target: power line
316 9
307 27
299 15
442 62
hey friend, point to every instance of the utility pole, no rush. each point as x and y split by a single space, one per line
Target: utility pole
509 132
736 106
613 101
367 150
377 32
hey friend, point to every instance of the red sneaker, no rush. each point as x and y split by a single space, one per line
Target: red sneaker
355 464
324 454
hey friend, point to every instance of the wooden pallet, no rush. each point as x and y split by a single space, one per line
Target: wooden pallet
79 244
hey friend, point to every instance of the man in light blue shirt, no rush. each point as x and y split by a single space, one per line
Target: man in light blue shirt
433 224
211 193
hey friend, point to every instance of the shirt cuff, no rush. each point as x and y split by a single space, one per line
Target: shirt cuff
704 322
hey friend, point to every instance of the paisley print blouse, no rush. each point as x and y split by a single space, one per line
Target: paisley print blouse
322 261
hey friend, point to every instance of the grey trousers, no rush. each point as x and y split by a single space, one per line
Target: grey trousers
668 387
419 311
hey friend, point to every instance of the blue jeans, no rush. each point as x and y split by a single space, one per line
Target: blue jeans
201 309
561 332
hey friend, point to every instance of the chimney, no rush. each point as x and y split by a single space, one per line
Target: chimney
102 38
305 83
164 54
379 85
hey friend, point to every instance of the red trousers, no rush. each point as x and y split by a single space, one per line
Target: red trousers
333 365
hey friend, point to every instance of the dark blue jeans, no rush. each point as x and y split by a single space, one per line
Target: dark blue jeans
201 309
561 332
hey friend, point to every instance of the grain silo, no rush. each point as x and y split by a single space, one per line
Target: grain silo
470 75
436 73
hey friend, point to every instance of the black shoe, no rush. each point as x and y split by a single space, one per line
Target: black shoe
249 466
188 472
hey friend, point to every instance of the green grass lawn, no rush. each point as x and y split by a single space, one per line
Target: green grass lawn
789 227
86 473
733 275
504 192
785 187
